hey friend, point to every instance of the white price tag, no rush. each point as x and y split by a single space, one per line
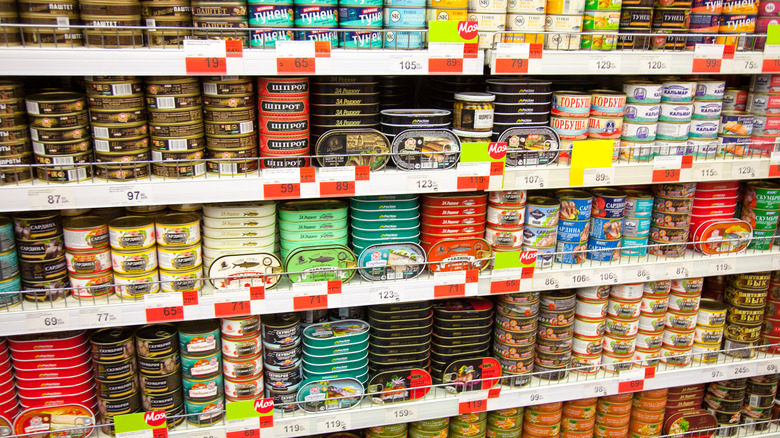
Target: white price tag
597 389
513 50
312 288
678 270
481 168
534 179
412 64
130 194
99 317
231 295
655 64
598 176
707 171
608 276
298 426
632 274
713 375
604 64
744 170
667 162
721 267
446 278
295 49
341 173
401 414
389 293
445 50
211 433
747 63
51 198
205 49
333 423
576 279
740 370
708 51
424 183
533 397
163 300
281 176
544 280
47 321
772 367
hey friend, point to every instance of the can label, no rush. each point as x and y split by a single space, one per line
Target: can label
571 105
360 16
319 16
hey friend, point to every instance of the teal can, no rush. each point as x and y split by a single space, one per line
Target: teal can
7 288
205 413
312 225
201 367
336 333
316 16
364 243
317 35
7 240
203 389
381 215
288 246
268 38
360 374
362 17
308 236
386 224
404 40
381 203
266 15
360 3
353 365
9 264
330 359
335 349
633 246
361 38
382 235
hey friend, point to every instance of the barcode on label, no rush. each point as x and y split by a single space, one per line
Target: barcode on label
166 103
177 144
200 169
100 131
229 168
32 107
245 127
77 174
62 160
156 156
121 89
34 133
38 148
209 88
63 22
101 145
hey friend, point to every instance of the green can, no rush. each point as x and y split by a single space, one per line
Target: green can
360 374
390 430
434 425
338 367
760 219
762 240
371 434
202 389
333 359
379 215
336 333
506 433
300 211
420 433
320 263
383 235
390 202
199 338
762 194
363 243
462 429
309 226
295 237
385 224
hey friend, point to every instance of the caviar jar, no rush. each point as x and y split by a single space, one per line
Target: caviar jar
473 136
473 111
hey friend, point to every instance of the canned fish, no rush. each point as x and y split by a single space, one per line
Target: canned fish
642 92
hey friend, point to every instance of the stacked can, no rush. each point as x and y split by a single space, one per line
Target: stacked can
363 19
505 422
521 103
66 160
573 226
569 117
671 18
767 14
201 368
400 336
540 232
682 401
606 224
461 215
606 117
157 349
647 413
566 21
555 334
707 107
681 321
427 428
738 17
457 319
590 316
463 425
9 14
525 16
170 13
114 361
9 402
9 263
543 420
672 206
514 335
228 227
652 319
319 18
674 121
762 104
176 133
636 16
622 323
578 417
41 255
273 19
716 202
284 121
602 17
396 92
640 122
296 213
325 111
636 223
770 335
745 297
243 359
760 209
218 17
229 115
367 231
490 16
704 19
613 413
390 430
734 132
724 400
757 408
134 256
335 350
279 332
14 139
178 248
118 142
506 216
710 325
63 11
405 21
88 257
116 16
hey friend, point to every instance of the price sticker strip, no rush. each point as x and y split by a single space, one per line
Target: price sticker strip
300 57
445 58
771 61
316 295
474 176
511 58
248 419
478 401
634 380
707 58
170 307
239 302
210 57
670 169
455 284
288 183
344 181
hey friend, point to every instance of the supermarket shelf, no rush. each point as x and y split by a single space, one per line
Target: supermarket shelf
39 195
70 313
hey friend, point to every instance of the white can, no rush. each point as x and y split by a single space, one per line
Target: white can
562 41
680 320
679 338
504 237
89 262
583 345
658 287
563 23
180 281
241 347
678 356
678 91
642 112
673 130
632 291
526 7
646 358
618 344
676 112
623 308
761 83
671 147
710 90
136 285
692 285
238 369
589 327
244 389
640 131
655 304
615 363
651 323
649 340
703 147
591 308
636 151
505 216
525 22
594 292
706 353
642 92
179 258
684 302
622 326
128 262
508 197
489 6
489 22
701 128
707 109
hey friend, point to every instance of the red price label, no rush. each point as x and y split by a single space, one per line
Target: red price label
706 65
535 51
666 175
189 297
771 66
165 314
497 167
322 49
728 51
234 48
631 386
249 433
307 175
470 50
504 286
362 173
494 392
206 66
310 302
687 161
295 65
473 182
511 66
160 432
282 191
257 292
470 407
334 287
234 308
445 65
449 290
649 372
337 188
472 276
774 170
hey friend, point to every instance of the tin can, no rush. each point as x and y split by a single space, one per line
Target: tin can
642 92
571 104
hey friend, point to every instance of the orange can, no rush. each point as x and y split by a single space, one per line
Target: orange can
542 418
610 432
618 408
652 404
542 431
591 401
577 434
646 416
618 397
612 420
549 407
642 428
578 424
579 412
653 393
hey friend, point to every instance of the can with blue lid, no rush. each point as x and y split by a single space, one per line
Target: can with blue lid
404 17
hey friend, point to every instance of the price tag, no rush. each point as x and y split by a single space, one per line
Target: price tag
295 57
298 426
744 170
722 267
598 389
678 270
281 183
608 276
424 183
655 64
231 302
401 414
474 175
504 286
632 274
445 58
151 424
576 279
604 64
340 181
412 64
546 281
667 169
631 381
211 433
528 398
95 317
249 416
314 296
713 375
473 182
130 194
747 63
455 284
472 401
535 179
771 60
390 293
707 171
740 370
205 57
707 58
511 58
51 198
337 188
164 307
774 165
768 367
333 423
47 321
598 176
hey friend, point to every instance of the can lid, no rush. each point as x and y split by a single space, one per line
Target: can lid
475 97
461 133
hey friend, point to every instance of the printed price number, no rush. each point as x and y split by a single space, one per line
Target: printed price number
245 433
713 375
386 294
334 424
449 290
50 198
609 277
708 172
296 428
551 283
603 64
232 308
639 274
631 386
295 65
706 65
768 368
721 268
598 176
423 184
400 415
99 317
678 271
737 371
310 302
47 321
579 279
666 175
534 398
445 65
774 170
281 191
771 61
337 188
410 65
165 314
511 66
596 391
505 286
206 65
473 182
655 65
536 180
472 406
744 170
216 433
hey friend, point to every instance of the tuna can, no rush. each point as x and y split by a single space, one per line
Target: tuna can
737 23
396 17
201 367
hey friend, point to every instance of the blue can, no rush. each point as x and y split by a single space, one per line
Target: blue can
7 240
576 205
360 3
404 17
539 236
608 203
361 38
7 288
602 250
606 228
404 40
360 16
270 15
570 253
316 16
638 204
573 231
544 256
636 226
406 3
633 246
9 264
317 35
704 23
268 38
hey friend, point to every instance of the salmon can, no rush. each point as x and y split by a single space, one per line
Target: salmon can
607 103
571 104
570 127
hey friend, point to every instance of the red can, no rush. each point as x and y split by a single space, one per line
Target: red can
717 194
454 200
452 229
282 87
49 354
53 364
440 221
468 210
48 341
